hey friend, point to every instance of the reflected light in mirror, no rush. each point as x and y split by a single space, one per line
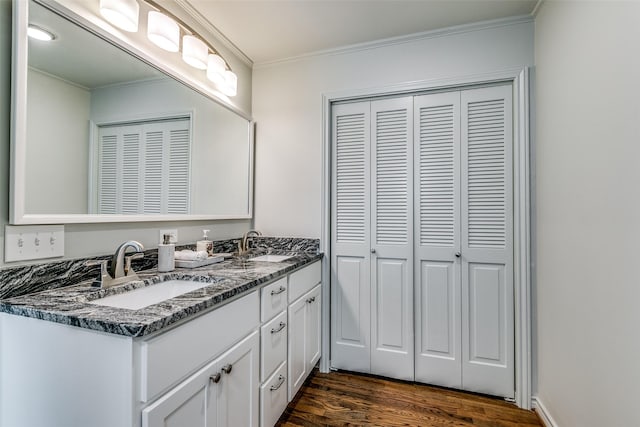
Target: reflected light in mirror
40 34
163 31
194 52
121 13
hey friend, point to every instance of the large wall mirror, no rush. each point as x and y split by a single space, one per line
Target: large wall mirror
100 135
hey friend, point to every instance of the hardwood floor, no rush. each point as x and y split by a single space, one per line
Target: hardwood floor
346 399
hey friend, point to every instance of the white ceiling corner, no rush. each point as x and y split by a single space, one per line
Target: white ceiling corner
272 30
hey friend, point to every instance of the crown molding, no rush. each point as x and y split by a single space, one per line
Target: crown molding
536 8
391 41
200 19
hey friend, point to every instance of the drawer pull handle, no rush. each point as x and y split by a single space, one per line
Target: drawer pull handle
215 378
280 290
310 300
281 379
227 368
281 327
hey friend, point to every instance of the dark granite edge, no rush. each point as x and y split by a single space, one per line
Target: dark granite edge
140 329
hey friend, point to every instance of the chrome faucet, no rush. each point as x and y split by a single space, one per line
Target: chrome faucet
120 270
243 246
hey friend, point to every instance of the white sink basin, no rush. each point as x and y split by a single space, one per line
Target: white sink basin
149 295
271 258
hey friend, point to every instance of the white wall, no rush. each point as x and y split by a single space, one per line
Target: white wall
53 103
588 211
287 106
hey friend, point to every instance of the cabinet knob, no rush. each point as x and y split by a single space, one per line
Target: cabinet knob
215 378
227 368
458 254
373 250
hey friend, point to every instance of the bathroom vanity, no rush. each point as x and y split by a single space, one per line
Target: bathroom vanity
231 353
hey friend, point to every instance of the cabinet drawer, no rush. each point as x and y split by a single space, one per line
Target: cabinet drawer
168 358
273 299
273 397
273 343
301 281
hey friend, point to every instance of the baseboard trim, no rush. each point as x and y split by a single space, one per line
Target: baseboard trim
543 413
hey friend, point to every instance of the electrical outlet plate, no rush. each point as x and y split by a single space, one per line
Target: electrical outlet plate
172 232
29 242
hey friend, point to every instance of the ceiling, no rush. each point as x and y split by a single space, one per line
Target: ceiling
271 30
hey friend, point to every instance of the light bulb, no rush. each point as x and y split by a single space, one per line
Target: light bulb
163 31
194 52
215 69
121 13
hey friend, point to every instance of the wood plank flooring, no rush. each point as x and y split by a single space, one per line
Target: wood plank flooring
346 399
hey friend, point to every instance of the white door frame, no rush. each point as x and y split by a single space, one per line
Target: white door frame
520 80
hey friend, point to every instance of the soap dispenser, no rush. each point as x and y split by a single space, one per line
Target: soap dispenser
166 255
205 244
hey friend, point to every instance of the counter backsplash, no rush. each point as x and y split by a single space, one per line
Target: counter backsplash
27 279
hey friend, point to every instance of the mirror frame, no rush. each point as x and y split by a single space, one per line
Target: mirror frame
17 182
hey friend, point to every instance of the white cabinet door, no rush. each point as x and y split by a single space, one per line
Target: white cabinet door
222 394
304 338
296 361
437 239
391 249
192 403
350 228
238 389
487 241
313 325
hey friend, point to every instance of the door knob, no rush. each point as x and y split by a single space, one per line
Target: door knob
458 254
373 251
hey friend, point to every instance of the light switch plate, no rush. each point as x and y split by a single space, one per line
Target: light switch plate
29 242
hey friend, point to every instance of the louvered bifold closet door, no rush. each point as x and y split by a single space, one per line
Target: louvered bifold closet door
487 241
350 229
392 340
166 168
437 239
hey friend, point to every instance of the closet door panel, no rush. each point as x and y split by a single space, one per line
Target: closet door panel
437 239
351 222
392 235
487 236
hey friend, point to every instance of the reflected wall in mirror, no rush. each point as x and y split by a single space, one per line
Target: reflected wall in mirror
108 137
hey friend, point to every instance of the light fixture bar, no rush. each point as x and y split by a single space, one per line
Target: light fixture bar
187 28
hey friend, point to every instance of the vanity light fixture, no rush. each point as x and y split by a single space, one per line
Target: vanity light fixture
163 31
121 13
194 52
38 33
215 69
230 87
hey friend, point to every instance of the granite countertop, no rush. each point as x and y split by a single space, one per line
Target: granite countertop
229 279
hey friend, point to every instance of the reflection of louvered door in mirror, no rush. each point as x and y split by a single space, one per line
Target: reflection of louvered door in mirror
464 255
143 168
